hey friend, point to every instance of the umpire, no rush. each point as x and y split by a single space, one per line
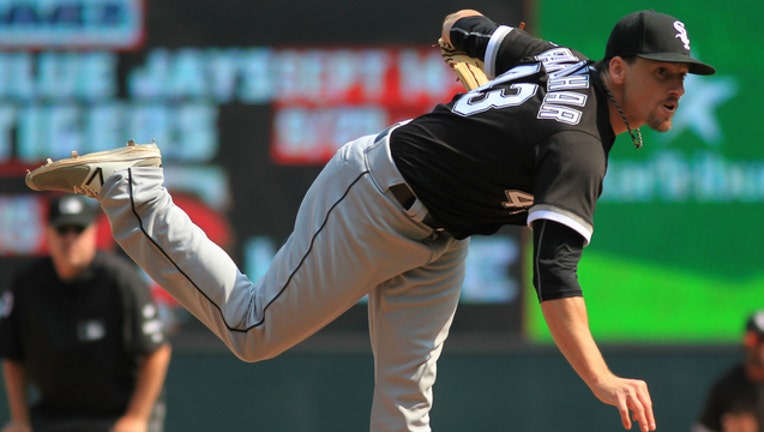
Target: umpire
81 328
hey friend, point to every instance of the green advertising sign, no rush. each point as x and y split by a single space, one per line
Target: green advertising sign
679 231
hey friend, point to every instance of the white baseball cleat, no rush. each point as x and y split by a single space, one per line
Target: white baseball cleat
86 174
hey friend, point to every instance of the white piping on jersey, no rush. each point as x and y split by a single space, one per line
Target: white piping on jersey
566 218
492 50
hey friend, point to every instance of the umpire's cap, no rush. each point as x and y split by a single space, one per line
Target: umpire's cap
654 36
71 210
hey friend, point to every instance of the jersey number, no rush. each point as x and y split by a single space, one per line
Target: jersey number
479 100
517 201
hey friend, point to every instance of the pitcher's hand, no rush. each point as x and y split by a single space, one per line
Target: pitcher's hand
630 397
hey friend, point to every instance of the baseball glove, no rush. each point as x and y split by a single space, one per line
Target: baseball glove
468 70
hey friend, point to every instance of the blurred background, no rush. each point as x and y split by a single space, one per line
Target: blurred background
248 99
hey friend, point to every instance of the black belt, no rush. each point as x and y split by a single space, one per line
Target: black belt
406 198
402 192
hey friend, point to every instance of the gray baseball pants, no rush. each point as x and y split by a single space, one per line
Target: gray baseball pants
351 238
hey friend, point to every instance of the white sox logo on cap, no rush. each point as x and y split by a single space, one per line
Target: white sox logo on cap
682 34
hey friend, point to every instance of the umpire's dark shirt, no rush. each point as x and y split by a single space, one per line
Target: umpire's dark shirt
732 393
80 341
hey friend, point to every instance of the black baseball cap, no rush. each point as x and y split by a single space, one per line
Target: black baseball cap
654 36
71 210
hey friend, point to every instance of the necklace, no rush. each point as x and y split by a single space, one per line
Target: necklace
636 136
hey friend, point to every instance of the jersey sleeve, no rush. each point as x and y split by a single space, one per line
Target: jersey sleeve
556 253
501 47
568 180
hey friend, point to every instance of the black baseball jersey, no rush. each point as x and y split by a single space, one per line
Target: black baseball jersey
733 393
531 144
80 341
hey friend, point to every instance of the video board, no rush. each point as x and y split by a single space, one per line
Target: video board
244 110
